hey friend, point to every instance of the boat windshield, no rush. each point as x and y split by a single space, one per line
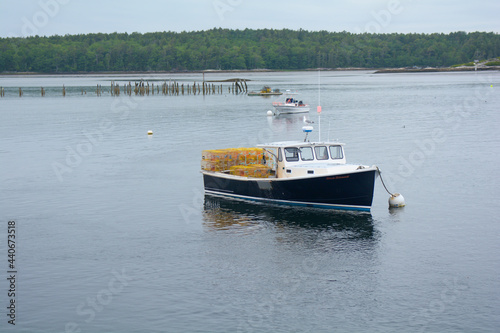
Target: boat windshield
321 152
292 154
336 152
306 154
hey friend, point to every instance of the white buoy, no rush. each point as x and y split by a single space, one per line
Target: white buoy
396 200
150 132
269 113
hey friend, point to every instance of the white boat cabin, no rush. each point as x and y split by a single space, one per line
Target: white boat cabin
307 159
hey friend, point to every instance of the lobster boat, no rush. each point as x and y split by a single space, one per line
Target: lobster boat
311 174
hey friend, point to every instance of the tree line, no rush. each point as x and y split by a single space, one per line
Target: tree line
226 49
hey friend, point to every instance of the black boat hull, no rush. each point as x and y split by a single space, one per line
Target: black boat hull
350 191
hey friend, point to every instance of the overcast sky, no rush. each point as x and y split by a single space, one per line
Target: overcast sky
60 17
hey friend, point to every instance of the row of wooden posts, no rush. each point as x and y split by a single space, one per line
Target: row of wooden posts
174 88
166 88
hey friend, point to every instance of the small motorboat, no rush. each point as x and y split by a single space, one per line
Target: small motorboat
291 105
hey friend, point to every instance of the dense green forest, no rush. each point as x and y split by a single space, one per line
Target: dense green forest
241 49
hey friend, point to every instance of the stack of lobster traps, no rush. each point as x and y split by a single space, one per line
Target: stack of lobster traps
246 162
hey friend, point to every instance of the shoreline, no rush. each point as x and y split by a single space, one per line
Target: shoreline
213 71
435 69
139 72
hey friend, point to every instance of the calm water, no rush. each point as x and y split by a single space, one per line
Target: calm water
114 233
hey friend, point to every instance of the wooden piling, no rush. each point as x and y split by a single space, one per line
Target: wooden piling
173 88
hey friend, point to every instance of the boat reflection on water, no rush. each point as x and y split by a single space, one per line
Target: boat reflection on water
227 214
287 122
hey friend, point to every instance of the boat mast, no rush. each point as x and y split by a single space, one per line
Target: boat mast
319 104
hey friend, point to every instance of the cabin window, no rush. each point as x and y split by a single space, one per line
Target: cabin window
280 155
292 154
306 153
336 152
321 152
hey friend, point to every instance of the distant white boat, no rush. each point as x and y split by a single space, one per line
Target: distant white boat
291 105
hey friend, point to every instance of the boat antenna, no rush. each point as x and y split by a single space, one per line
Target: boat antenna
328 130
319 104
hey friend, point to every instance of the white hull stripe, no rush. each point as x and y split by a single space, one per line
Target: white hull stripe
289 202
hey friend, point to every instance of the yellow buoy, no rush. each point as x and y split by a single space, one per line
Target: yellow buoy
150 132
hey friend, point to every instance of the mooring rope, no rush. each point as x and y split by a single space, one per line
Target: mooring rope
380 174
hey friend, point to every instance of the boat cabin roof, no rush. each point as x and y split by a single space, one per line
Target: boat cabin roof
298 144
